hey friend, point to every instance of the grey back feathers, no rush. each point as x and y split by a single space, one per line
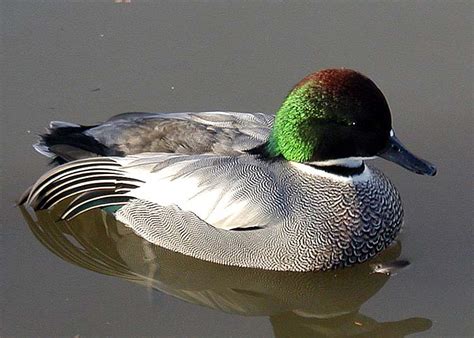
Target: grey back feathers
223 133
226 133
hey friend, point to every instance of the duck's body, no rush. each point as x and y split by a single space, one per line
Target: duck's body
224 187
278 216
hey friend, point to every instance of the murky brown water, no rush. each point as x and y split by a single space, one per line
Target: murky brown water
83 62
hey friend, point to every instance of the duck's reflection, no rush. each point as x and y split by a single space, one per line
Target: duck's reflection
298 304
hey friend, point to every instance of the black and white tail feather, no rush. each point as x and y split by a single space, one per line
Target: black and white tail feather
96 182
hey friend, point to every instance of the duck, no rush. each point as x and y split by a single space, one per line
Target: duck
289 192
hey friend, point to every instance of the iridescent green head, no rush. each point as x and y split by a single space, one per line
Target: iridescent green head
333 115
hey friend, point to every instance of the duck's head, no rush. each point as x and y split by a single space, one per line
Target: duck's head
338 117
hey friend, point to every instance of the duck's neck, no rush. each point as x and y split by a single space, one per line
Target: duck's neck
349 166
345 167
335 172
340 170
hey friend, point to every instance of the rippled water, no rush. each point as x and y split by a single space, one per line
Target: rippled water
84 62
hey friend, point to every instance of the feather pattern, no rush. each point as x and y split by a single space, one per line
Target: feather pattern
298 217
80 177
225 133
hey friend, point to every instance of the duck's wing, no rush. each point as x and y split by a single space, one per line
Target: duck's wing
185 203
226 192
223 133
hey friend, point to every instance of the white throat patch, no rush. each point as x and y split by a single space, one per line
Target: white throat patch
310 170
348 162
